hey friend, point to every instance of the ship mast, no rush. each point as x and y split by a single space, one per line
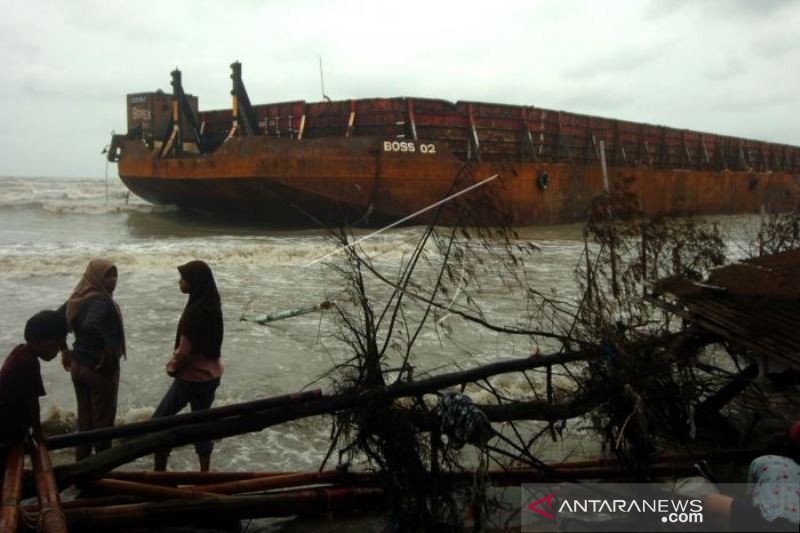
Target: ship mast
244 117
181 113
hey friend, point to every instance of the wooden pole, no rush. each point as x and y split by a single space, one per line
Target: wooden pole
12 488
51 515
148 426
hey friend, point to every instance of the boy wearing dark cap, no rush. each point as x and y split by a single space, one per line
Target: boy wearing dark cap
21 378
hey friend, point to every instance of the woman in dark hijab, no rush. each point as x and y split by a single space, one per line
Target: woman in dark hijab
96 321
195 362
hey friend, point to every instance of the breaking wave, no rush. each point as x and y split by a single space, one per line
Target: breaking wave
70 196
144 256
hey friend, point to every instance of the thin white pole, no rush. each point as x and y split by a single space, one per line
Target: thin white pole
321 78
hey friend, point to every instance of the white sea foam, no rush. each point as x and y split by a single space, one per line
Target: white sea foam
135 414
57 421
26 259
61 196
102 209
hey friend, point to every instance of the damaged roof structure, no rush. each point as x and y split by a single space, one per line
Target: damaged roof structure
752 304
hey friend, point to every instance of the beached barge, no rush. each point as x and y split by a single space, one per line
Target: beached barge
379 159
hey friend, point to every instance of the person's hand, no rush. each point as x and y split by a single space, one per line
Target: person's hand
66 358
717 510
172 367
33 436
105 360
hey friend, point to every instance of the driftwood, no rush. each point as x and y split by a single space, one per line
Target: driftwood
538 410
148 426
95 466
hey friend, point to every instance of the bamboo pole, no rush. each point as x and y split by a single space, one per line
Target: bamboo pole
51 515
148 426
187 478
289 313
12 488
150 492
239 507
291 480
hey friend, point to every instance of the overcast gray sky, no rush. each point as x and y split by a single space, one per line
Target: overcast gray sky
721 66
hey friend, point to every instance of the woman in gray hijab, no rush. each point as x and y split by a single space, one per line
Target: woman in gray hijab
96 321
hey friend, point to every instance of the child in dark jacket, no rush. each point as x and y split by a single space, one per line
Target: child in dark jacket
21 379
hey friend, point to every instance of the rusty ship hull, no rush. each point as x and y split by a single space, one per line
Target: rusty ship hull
373 161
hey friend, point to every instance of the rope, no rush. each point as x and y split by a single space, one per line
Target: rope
461 282
27 518
44 511
404 219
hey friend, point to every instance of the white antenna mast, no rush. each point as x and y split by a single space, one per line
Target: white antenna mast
322 80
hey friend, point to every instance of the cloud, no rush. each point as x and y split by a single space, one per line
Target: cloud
732 68
717 8
747 8
774 46
67 66
619 61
